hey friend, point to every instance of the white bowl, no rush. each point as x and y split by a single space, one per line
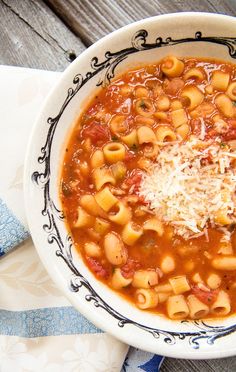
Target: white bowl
182 34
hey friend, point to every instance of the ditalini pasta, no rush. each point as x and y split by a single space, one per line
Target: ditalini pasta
148 187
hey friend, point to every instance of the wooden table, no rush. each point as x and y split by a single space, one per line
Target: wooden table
49 34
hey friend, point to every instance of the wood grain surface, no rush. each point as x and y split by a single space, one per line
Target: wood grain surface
31 35
91 20
38 34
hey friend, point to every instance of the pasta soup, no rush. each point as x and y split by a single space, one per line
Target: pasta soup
148 187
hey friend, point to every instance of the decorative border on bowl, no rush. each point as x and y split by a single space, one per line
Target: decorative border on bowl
52 213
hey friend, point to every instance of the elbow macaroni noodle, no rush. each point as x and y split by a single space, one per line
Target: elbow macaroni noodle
122 241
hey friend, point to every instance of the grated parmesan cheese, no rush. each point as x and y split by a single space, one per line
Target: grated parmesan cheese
187 190
203 130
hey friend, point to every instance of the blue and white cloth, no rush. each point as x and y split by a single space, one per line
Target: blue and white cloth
39 330
12 232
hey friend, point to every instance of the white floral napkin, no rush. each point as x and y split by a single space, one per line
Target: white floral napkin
39 330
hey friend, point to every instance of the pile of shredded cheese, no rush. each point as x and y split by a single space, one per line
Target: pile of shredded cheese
189 183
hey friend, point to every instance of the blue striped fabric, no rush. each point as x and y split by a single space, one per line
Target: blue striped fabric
52 321
57 320
139 360
12 232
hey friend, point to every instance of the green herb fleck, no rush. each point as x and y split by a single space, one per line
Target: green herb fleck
223 145
66 189
114 138
142 104
134 147
234 103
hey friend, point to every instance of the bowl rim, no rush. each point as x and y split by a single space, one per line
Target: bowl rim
195 354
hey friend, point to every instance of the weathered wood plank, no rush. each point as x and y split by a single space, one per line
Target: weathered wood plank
216 365
31 35
93 19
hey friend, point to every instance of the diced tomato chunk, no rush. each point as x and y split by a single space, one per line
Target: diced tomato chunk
207 297
96 132
232 123
97 268
129 268
212 133
133 183
129 156
208 159
134 179
230 135
142 200
173 86
93 110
